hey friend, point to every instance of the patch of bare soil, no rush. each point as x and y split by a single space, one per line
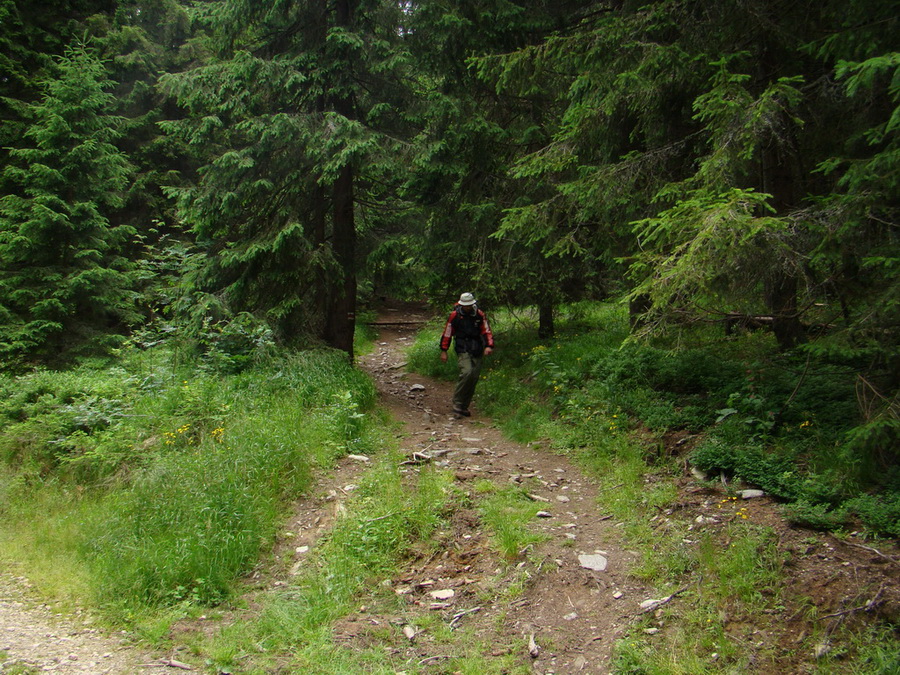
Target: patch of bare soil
35 638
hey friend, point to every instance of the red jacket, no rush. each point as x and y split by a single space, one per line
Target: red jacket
472 332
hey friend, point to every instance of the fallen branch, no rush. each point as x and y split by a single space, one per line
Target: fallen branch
868 607
459 615
417 458
873 550
659 603
166 663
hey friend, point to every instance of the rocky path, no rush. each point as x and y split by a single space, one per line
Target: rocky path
35 639
573 595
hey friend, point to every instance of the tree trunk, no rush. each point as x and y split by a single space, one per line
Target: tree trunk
342 318
320 303
637 307
782 176
781 298
546 328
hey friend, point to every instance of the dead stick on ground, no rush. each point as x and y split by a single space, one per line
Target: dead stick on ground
868 607
167 663
459 615
873 550
664 601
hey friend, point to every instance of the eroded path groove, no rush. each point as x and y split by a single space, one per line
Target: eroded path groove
545 605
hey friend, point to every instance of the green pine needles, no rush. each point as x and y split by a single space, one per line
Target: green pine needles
64 274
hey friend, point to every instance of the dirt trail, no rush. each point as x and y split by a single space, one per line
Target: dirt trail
573 614
34 638
567 614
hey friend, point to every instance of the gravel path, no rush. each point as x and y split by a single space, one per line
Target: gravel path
34 639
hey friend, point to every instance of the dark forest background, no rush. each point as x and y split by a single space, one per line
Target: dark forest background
237 170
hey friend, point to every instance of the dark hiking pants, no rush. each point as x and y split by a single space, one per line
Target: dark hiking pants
469 370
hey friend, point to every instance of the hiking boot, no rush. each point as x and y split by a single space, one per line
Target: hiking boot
461 412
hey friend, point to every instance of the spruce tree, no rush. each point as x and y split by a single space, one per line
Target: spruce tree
290 117
699 143
473 130
63 276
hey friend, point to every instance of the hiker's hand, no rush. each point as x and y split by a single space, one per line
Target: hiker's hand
444 356
488 351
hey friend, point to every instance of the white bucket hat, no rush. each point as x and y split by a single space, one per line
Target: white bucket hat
466 299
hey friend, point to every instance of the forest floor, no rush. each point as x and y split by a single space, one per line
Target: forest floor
560 615
545 609
573 614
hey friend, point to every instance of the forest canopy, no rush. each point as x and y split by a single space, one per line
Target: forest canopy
240 170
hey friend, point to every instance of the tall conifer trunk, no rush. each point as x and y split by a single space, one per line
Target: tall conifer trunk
546 327
342 316
780 179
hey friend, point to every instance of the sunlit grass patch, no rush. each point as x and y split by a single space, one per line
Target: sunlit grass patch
40 535
162 485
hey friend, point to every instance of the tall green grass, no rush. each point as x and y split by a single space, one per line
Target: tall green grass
162 484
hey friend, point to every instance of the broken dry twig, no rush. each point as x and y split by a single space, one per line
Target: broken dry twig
459 615
659 603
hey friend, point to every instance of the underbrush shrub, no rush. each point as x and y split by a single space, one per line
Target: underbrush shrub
814 515
48 417
771 471
879 512
872 449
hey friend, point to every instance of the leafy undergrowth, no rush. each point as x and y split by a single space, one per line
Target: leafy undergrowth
152 488
150 483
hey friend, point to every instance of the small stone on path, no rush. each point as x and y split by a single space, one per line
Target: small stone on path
593 562
444 594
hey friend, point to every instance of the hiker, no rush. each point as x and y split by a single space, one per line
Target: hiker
473 340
